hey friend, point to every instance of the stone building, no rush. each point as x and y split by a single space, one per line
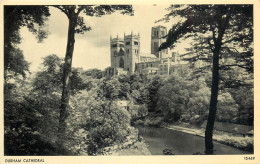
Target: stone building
126 57
125 52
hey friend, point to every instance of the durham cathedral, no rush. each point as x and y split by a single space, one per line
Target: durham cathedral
126 57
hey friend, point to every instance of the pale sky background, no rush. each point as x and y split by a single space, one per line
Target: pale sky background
92 49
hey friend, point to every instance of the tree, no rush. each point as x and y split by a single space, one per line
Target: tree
22 135
216 28
227 108
107 124
94 73
244 98
199 97
77 25
110 89
15 17
173 98
155 83
49 80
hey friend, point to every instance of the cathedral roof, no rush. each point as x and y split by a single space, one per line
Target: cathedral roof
147 55
151 68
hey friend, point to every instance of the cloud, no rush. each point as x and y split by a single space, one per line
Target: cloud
58 23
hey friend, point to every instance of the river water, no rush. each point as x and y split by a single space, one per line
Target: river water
180 143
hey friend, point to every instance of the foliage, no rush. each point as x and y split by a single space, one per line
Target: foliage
30 121
15 17
142 111
244 98
95 122
227 108
153 121
153 86
243 143
94 73
173 98
49 80
110 89
199 97
107 124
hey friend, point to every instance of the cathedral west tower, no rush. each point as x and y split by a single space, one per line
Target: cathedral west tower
124 53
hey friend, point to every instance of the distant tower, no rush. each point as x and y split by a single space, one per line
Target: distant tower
132 50
158 32
117 57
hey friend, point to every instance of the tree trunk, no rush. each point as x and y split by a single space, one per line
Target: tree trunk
221 26
213 102
66 82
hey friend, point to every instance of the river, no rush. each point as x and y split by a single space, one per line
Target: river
180 143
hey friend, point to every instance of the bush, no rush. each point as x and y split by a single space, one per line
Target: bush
153 121
106 125
243 143
138 122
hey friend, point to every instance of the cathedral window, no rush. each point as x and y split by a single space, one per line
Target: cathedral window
135 43
156 46
163 33
121 63
127 43
114 45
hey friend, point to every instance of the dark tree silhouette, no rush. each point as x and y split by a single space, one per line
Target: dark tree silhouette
215 27
16 17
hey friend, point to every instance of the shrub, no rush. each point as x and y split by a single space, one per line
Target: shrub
107 125
153 121
243 143
139 122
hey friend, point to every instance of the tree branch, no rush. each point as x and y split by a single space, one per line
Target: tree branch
213 34
62 9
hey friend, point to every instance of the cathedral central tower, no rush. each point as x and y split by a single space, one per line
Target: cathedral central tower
157 38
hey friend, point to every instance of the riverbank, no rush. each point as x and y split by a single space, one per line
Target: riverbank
134 145
139 148
164 141
242 143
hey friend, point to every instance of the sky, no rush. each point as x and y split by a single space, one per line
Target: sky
92 49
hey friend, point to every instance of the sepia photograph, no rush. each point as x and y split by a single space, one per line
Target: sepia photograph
128 80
